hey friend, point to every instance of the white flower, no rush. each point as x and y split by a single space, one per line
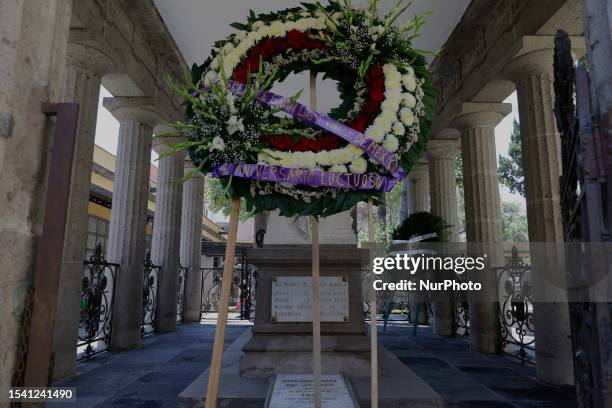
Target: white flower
389 114
344 156
324 158
214 64
409 82
375 133
210 78
228 47
338 168
398 128
391 143
234 125
354 150
359 165
258 24
277 29
407 116
384 122
218 143
231 101
308 160
390 105
409 100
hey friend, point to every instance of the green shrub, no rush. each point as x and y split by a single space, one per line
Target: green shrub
422 223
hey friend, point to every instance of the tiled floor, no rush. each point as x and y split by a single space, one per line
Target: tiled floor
155 374
466 379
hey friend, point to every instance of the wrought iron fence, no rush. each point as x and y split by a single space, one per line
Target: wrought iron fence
516 309
181 293
152 273
242 295
462 311
96 305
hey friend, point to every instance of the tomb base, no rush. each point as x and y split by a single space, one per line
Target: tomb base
399 387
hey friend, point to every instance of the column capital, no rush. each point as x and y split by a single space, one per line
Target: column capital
419 171
476 115
190 167
164 137
443 149
138 109
89 57
534 55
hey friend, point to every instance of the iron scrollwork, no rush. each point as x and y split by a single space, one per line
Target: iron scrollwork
149 295
462 312
181 293
516 309
96 305
244 282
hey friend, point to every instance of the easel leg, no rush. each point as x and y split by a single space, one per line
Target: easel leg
373 317
316 314
316 306
226 286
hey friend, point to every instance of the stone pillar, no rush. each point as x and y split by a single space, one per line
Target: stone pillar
597 16
208 263
405 201
419 202
84 69
419 188
126 240
443 191
442 179
33 48
167 229
191 242
477 122
531 71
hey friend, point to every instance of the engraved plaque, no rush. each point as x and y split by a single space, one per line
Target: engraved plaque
296 391
292 299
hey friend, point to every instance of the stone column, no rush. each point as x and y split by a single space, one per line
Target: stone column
419 202
405 200
531 71
191 242
33 48
442 179
167 229
419 188
84 69
597 16
126 241
477 122
443 190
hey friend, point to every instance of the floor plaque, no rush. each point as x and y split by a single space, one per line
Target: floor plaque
296 391
292 299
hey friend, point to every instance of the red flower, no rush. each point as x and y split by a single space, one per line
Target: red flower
267 49
295 39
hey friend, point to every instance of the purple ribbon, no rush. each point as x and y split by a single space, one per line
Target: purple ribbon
305 115
313 178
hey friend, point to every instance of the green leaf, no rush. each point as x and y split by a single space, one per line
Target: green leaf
239 26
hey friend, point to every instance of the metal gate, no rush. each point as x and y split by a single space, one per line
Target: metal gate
242 295
586 187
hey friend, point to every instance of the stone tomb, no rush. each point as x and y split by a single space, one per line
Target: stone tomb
282 334
296 391
292 299
279 345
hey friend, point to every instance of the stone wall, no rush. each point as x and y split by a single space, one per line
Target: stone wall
33 46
